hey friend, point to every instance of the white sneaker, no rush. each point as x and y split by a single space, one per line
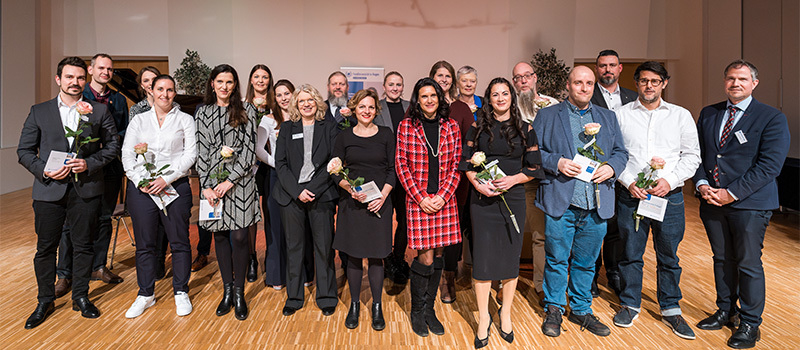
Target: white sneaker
139 305
183 306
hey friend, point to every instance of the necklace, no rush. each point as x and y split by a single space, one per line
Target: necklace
439 148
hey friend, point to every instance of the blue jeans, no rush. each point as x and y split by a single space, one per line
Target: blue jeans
666 237
572 244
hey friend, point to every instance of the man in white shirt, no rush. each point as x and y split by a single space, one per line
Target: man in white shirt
653 128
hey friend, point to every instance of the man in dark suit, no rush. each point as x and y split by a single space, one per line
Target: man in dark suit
337 101
575 211
743 145
71 194
101 69
608 94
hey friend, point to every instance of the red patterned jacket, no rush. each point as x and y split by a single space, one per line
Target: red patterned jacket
427 231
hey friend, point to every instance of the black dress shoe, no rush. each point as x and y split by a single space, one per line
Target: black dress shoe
378 323
86 307
226 303
40 314
327 311
718 320
239 304
745 337
480 343
508 337
351 321
595 291
252 269
288 310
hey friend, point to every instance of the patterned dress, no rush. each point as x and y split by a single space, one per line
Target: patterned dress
440 229
240 204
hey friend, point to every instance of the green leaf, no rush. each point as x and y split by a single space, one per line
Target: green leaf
163 168
149 166
358 181
598 149
69 130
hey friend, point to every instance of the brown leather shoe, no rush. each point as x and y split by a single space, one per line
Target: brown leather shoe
105 275
447 287
199 262
63 286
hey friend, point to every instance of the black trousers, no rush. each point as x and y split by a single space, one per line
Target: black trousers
613 246
81 215
401 232
146 217
319 217
737 238
112 181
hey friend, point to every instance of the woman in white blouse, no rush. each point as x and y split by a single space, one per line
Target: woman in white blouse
163 137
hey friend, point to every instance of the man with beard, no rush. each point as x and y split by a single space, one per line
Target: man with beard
608 94
102 70
530 102
71 194
337 101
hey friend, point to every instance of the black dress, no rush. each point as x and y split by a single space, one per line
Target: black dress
359 232
496 243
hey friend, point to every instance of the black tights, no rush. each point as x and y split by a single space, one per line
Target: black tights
375 273
233 254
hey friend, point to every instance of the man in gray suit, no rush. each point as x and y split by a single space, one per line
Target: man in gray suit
71 194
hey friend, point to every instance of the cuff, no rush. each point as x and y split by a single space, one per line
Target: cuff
672 180
732 195
700 183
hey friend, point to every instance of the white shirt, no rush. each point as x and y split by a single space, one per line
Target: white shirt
668 132
267 132
173 143
613 99
69 116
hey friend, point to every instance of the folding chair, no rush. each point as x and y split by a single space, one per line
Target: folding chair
119 215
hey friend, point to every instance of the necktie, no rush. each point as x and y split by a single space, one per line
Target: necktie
726 131
338 115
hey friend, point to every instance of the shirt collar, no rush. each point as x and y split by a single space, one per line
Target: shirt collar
97 94
603 89
743 104
575 109
637 104
62 104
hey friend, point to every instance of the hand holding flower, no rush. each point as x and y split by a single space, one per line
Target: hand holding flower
661 188
223 188
156 186
77 165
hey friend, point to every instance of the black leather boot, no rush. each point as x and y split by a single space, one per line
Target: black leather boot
420 274
433 323
351 321
239 305
252 269
378 322
227 300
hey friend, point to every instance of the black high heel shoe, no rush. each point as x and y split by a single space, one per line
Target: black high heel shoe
479 343
508 337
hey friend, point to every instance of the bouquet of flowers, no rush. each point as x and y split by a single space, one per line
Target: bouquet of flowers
592 129
646 179
220 175
335 167
141 150
489 174
84 109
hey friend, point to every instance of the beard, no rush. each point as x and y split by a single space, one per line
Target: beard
608 80
526 103
338 101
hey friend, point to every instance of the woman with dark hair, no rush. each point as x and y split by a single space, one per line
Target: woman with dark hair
503 138
226 143
428 152
443 73
307 196
145 81
163 136
364 230
259 100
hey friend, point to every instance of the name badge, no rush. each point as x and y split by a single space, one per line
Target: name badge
297 136
740 136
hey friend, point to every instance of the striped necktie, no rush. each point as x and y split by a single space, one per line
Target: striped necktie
726 131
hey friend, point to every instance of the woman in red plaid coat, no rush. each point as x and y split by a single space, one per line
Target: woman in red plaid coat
427 157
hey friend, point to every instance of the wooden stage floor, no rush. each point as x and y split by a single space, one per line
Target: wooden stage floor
160 328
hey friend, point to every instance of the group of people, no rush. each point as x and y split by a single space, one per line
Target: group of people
448 164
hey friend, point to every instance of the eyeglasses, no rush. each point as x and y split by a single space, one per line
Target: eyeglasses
654 82
527 76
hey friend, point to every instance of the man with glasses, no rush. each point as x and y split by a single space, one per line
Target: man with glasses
608 94
652 127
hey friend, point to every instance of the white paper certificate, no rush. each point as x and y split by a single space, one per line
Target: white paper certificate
588 167
209 212
653 207
56 160
371 190
167 196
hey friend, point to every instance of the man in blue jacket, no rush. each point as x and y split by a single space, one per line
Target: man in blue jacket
575 220
743 144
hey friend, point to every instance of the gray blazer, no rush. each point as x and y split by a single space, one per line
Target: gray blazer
44 132
385 118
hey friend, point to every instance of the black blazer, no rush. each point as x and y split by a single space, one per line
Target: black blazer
626 95
329 115
43 132
289 161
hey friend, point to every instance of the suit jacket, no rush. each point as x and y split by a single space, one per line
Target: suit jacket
555 142
329 115
289 161
626 95
44 132
747 169
385 118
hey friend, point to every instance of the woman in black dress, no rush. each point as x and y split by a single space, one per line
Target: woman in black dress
503 137
364 230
